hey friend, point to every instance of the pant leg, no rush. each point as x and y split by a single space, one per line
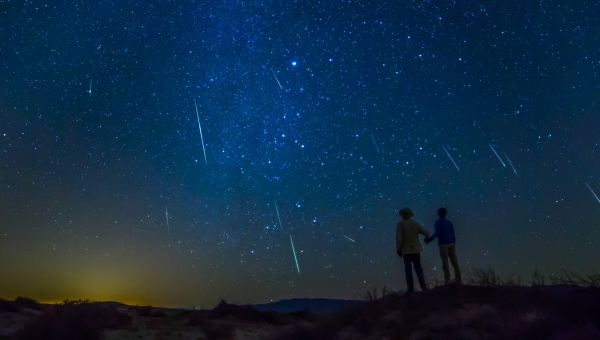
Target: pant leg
444 256
410 284
454 261
419 271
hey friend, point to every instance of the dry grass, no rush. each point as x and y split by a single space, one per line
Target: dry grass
590 280
487 306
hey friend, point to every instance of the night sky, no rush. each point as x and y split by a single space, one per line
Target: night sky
319 120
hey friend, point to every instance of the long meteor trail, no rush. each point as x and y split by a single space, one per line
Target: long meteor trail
200 128
349 238
295 258
451 158
592 191
509 162
374 142
497 154
279 218
281 87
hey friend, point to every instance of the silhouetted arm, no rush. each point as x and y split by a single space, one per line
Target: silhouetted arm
423 231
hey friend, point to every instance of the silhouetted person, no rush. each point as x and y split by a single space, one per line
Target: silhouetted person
409 247
444 232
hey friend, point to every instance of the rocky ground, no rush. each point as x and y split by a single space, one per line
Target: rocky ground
445 312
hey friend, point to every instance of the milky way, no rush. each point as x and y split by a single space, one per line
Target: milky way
319 121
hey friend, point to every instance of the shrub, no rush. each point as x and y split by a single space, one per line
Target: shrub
71 320
24 302
247 313
8 306
537 279
148 311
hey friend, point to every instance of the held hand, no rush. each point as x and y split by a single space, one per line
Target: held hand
399 252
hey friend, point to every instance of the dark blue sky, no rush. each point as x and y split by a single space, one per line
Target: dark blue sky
336 111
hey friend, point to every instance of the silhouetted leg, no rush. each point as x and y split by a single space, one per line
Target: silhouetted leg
419 271
444 256
410 284
454 261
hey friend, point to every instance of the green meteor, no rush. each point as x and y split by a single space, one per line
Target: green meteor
295 258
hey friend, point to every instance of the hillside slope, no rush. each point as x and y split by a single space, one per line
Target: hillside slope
445 312
467 312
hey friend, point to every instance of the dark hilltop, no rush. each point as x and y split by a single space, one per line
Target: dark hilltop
487 309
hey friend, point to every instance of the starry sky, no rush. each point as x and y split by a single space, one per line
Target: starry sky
319 121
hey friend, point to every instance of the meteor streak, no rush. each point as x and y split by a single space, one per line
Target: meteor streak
167 216
200 128
279 218
451 158
509 162
374 142
592 191
276 79
295 258
349 238
497 154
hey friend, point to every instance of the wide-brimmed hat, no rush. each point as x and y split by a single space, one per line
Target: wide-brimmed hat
406 213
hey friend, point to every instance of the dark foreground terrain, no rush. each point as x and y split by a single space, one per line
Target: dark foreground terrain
444 312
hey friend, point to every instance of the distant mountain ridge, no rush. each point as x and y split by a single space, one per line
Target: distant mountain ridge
315 305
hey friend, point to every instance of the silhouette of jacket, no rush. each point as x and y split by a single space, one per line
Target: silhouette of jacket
407 236
444 232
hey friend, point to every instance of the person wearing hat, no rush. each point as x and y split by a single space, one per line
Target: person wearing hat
444 232
409 248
